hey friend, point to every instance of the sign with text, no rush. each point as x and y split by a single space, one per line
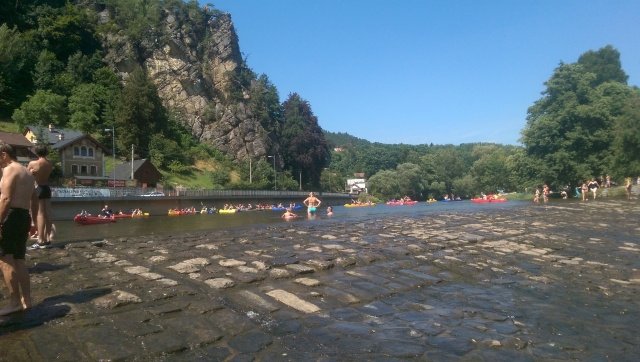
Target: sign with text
119 183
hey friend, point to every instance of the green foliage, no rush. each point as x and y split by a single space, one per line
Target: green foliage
406 180
14 70
43 108
220 176
46 70
137 18
139 113
626 145
569 130
490 171
303 144
265 105
605 64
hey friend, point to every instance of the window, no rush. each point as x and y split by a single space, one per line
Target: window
76 151
83 170
74 168
94 170
83 151
90 152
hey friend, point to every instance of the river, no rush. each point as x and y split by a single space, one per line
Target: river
68 231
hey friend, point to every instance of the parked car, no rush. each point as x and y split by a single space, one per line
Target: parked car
155 193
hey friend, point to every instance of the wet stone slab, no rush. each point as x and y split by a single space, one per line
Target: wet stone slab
524 283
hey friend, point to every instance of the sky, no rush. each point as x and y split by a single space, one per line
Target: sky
426 71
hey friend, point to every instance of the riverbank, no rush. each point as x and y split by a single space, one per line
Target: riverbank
542 281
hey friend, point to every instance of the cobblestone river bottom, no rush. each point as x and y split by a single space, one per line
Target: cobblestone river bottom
541 282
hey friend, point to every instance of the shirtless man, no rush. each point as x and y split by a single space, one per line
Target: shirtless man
311 203
18 195
41 169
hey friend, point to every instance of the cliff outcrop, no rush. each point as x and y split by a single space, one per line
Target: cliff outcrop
191 65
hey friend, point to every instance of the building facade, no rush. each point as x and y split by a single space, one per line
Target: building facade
80 155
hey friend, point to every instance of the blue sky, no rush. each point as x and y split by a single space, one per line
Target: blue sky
426 71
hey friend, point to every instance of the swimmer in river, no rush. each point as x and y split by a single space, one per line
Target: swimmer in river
312 203
329 211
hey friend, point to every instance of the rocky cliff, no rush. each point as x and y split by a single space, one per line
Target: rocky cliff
190 65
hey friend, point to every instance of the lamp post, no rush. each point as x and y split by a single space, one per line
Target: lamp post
275 187
330 189
113 147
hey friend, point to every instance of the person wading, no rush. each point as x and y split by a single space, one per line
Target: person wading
18 195
41 169
311 202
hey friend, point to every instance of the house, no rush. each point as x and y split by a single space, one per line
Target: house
80 155
356 185
145 174
22 146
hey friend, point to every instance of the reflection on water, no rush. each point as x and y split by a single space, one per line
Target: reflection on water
154 225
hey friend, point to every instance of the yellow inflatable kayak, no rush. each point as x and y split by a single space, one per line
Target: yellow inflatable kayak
360 205
143 215
232 211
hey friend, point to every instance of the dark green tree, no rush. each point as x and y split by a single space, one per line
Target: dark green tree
568 131
605 64
626 144
303 144
139 113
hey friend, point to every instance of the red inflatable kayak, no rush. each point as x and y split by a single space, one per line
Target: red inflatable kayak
91 220
488 200
122 216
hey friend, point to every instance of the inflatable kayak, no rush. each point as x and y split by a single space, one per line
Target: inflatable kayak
177 213
122 216
488 200
402 202
92 220
232 211
432 200
145 214
360 205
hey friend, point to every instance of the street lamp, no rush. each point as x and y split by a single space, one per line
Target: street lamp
330 189
274 172
113 147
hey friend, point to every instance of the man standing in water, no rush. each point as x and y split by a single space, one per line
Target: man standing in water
41 169
311 203
18 195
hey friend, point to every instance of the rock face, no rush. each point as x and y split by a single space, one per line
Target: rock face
190 65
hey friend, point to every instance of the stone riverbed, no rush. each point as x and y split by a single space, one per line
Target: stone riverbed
555 282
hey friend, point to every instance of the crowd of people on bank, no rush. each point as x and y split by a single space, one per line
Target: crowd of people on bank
583 190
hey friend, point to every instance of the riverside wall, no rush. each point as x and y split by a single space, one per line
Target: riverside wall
65 208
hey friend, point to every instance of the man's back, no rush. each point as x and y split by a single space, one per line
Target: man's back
19 184
41 169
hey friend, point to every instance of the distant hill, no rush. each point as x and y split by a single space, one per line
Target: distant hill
340 139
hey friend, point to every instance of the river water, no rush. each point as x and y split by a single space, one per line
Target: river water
160 225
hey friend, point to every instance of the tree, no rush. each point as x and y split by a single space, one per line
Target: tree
14 71
568 131
139 113
605 64
626 144
490 171
42 109
303 144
